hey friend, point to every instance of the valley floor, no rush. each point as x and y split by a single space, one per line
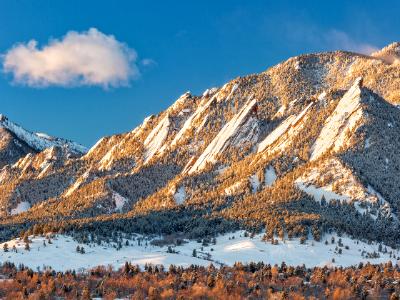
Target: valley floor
61 254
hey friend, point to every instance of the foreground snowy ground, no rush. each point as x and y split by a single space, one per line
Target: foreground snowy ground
61 254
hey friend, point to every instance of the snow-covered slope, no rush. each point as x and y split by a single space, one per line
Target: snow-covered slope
155 140
189 123
39 141
61 254
280 137
239 124
342 121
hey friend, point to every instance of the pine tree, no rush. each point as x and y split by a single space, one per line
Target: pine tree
127 268
26 237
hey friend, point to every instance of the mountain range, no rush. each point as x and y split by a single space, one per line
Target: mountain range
308 146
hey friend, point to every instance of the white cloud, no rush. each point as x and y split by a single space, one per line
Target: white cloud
305 33
148 62
79 58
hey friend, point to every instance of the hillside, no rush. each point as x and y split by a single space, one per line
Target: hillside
310 146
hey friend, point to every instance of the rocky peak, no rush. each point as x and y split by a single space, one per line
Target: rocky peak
390 53
39 141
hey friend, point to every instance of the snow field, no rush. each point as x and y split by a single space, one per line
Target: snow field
61 255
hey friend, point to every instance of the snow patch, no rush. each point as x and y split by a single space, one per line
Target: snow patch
270 176
119 201
21 207
234 88
180 195
45 166
319 192
367 143
255 183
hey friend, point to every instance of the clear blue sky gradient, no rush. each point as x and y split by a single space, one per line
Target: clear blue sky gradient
196 45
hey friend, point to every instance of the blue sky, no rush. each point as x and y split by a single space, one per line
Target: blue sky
179 46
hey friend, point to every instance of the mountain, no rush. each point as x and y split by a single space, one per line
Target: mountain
308 146
16 142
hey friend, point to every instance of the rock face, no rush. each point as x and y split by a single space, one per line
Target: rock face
314 136
242 127
344 119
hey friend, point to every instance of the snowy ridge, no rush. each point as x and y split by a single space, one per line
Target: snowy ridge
282 129
234 88
334 181
180 101
39 141
106 162
221 141
276 134
24 162
77 184
191 120
342 120
94 147
156 138
320 181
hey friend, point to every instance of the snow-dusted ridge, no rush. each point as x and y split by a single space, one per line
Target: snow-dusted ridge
39 141
191 120
288 126
221 141
343 119
156 138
